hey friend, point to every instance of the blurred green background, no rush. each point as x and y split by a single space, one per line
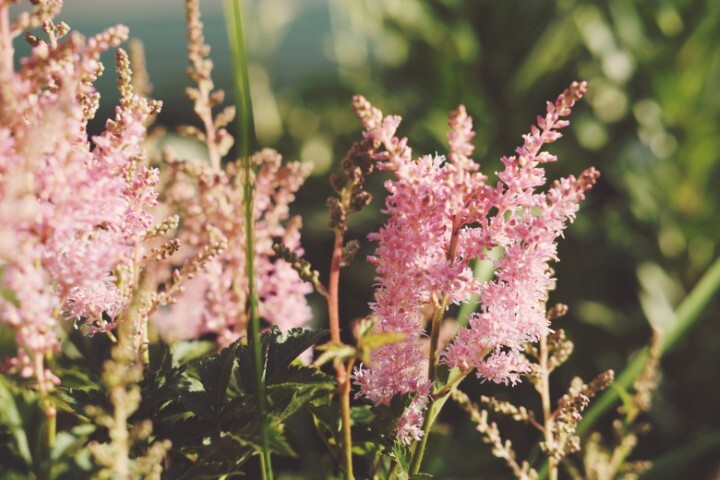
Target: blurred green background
650 124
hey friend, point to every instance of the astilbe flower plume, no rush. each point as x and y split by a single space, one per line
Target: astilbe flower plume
71 209
444 214
209 199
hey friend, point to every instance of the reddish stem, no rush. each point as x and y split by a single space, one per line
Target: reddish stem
333 285
341 372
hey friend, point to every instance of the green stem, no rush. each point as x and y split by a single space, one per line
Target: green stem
435 405
244 133
437 319
346 423
544 389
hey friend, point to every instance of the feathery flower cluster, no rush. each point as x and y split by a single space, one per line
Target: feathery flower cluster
439 220
526 226
70 213
209 200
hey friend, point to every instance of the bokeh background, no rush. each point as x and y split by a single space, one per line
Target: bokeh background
650 124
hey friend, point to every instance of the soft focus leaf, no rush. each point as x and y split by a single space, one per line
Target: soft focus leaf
336 352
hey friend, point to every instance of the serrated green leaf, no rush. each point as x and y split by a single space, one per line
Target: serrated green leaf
327 417
402 456
284 349
223 457
299 386
300 375
160 357
245 372
215 373
157 389
199 404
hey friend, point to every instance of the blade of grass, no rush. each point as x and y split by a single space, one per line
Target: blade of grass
686 315
244 136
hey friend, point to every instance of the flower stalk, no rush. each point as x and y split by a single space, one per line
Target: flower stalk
244 133
341 370
437 319
543 387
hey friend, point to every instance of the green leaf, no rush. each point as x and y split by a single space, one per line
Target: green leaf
186 351
215 375
222 457
10 459
157 390
250 434
403 457
336 352
298 375
76 400
284 349
245 372
362 414
187 431
326 417
376 340
199 403
297 387
14 420
67 442
625 397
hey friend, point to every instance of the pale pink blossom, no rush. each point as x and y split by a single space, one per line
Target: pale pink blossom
526 225
213 197
71 210
443 214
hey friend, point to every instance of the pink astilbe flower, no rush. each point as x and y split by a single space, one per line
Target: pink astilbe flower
69 213
209 196
416 258
526 226
439 220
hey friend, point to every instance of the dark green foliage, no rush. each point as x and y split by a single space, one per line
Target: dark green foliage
215 425
202 402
